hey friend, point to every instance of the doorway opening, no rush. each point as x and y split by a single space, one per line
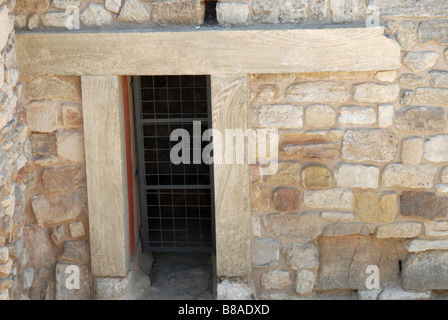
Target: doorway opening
176 198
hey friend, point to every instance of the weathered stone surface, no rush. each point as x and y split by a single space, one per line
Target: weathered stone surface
27 278
5 268
432 95
280 116
425 271
444 175
319 116
411 8
77 229
348 10
369 145
95 15
409 176
135 11
33 21
52 88
260 199
436 228
71 116
412 79
4 26
169 12
337 215
310 146
43 144
27 6
406 96
318 9
407 35
77 251
424 204
234 289
70 145
356 115
279 11
286 199
42 116
316 177
63 178
334 198
435 148
375 92
420 119
268 92
411 150
56 208
433 30
375 206
232 13
276 279
357 176
4 254
63 4
395 292
56 19
110 288
369 294
438 78
385 115
287 173
300 226
420 245
319 91
62 277
301 256
58 234
266 252
342 229
305 280
113 5
404 229
343 261
419 61
386 76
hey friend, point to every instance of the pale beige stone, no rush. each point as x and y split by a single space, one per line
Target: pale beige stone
33 21
386 76
348 10
42 116
433 31
369 145
316 177
95 15
301 256
304 281
356 115
334 198
320 116
397 293
276 279
442 189
113 5
70 145
409 176
55 19
63 4
420 60
432 95
342 229
338 215
280 116
432 228
411 150
4 255
300 226
51 88
375 206
4 27
318 9
435 148
438 78
279 11
419 245
405 229
411 8
171 12
319 91
357 176
407 35
385 115
133 11
232 13
420 119
374 92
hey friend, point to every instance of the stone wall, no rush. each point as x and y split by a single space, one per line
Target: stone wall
362 176
16 274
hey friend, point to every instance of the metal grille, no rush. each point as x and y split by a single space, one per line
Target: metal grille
176 200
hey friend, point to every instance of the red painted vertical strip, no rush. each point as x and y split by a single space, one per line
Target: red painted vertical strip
129 172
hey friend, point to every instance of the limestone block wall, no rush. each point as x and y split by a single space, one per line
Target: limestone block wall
57 221
361 180
16 275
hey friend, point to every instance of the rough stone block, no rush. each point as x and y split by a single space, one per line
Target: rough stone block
57 19
375 92
4 254
404 229
169 12
260 198
301 256
376 206
52 88
386 76
77 251
305 280
95 15
357 176
433 31
419 61
113 5
77 229
4 27
280 116
411 150
316 177
266 252
356 115
407 35
232 13
411 8
435 148
63 178
43 144
436 228
135 11
423 204
58 234
287 173
432 95
279 11
235 289
369 145
338 215
426 271
444 175
420 245
268 92
319 91
438 78
385 115
42 116
412 79
334 198
319 116
409 176
343 261
276 279
318 9
395 292
342 229
71 116
406 96
70 145
348 10
286 199
420 119
58 207
300 226
63 4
